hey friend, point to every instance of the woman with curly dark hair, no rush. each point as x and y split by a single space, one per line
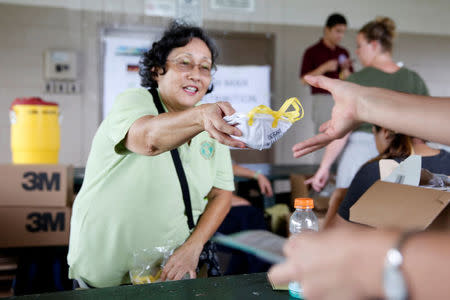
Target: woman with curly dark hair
158 162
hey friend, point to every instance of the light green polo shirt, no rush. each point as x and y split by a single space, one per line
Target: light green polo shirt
131 202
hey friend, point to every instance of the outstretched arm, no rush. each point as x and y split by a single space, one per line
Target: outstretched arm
400 112
152 135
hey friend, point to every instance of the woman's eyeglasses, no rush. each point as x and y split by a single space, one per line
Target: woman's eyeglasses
185 64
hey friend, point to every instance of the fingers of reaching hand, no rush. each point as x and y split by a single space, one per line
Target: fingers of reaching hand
264 185
316 183
319 81
265 190
289 270
309 180
282 273
269 191
318 186
311 144
306 150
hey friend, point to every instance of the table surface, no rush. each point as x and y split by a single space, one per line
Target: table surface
279 172
250 286
273 172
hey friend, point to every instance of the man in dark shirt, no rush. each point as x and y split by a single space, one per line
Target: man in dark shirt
327 58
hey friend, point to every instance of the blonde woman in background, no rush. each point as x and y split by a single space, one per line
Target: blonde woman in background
374 51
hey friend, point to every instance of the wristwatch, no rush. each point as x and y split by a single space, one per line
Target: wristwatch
394 283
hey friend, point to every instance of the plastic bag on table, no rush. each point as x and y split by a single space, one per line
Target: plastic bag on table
261 127
148 263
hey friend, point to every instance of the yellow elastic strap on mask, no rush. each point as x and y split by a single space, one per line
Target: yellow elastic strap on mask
291 116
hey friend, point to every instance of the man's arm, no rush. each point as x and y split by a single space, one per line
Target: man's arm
328 66
309 67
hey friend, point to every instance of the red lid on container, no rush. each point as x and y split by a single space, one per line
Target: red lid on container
31 101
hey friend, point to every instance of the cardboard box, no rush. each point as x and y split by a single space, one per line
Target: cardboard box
36 185
300 190
405 207
34 226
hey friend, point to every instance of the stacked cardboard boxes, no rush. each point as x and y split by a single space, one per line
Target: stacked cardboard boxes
35 205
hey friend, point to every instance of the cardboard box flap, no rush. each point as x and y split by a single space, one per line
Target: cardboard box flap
395 205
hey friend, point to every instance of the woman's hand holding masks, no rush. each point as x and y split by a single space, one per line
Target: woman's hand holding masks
212 121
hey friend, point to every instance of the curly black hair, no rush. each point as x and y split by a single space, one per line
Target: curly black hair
176 35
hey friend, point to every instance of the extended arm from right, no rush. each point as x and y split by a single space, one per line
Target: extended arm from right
355 104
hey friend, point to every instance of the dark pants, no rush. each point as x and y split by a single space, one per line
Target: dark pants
238 219
42 270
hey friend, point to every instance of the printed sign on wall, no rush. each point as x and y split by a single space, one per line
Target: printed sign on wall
121 67
243 86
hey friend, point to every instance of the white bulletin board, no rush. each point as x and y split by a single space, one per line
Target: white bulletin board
243 86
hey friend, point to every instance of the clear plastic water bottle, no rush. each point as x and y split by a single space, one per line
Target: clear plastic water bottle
302 220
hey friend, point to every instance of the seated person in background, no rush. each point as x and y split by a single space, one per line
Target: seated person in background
244 216
395 146
264 184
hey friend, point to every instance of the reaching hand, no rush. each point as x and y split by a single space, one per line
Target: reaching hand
343 117
212 121
319 270
319 180
264 185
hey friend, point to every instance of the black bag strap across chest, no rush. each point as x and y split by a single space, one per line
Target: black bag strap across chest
178 166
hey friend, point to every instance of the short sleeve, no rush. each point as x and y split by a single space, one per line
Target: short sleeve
127 108
363 180
224 169
422 88
307 63
352 78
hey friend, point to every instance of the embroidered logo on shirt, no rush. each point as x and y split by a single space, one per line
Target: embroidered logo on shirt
207 150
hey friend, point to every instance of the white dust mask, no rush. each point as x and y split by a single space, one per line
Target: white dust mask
261 127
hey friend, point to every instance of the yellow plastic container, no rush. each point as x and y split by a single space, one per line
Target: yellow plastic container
35 131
